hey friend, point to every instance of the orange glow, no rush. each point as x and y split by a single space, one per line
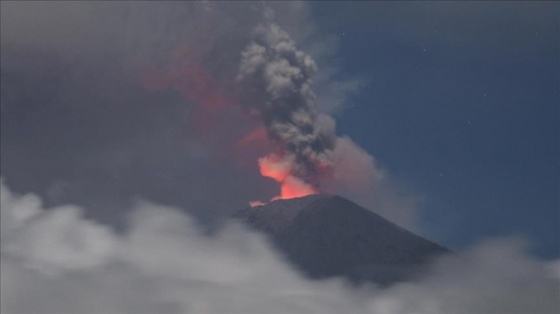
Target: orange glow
275 168
279 169
293 187
256 203
187 76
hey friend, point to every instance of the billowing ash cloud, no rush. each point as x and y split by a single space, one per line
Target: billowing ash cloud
57 261
278 78
138 96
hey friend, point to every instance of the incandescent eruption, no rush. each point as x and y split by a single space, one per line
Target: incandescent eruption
274 83
277 79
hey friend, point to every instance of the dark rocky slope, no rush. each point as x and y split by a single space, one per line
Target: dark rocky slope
327 236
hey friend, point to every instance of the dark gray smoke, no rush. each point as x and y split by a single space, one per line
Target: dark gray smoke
278 78
138 99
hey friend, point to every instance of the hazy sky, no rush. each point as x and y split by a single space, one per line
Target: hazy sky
457 103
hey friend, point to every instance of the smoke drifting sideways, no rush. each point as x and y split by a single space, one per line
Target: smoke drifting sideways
57 261
277 80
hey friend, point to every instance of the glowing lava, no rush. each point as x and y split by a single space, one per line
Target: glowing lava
275 167
293 187
256 203
279 169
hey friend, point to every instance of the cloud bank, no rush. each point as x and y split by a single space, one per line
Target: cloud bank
57 261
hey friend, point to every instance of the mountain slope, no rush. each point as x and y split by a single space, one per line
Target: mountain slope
327 236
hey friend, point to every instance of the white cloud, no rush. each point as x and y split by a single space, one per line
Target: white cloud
162 263
55 261
494 277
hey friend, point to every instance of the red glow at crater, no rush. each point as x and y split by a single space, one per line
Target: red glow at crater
279 170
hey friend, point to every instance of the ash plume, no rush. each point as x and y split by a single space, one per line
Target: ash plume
277 78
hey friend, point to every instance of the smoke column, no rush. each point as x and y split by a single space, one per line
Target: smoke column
277 77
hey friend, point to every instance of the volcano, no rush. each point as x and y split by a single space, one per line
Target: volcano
327 236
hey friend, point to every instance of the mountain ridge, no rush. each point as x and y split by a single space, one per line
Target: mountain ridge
329 236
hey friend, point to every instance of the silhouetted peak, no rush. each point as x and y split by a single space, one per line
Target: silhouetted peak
328 235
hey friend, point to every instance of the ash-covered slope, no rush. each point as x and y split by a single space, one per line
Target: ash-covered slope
327 236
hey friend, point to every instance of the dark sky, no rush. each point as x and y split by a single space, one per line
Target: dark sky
457 101
462 102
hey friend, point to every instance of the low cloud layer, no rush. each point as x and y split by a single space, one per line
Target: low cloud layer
57 261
